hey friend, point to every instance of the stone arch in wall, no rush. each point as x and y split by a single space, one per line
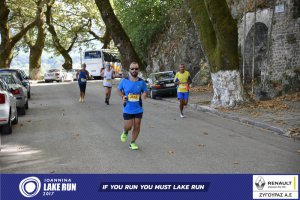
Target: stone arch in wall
262 16
260 33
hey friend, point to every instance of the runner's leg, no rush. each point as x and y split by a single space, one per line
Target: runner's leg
181 105
83 92
128 125
106 95
136 128
109 93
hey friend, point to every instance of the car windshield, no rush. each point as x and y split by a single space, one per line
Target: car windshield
8 78
53 70
162 76
24 75
9 72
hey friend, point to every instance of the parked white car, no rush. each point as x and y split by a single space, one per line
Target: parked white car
8 109
58 75
18 90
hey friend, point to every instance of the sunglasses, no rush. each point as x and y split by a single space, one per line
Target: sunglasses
136 69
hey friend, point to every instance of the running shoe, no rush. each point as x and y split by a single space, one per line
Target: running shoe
123 137
133 146
80 99
182 116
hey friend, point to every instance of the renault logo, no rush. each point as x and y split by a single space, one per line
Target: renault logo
260 183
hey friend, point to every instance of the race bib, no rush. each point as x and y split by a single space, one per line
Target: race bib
133 97
184 86
83 80
108 80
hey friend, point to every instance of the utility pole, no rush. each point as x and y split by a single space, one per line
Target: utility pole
80 53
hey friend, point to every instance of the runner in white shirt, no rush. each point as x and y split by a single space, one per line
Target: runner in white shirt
108 74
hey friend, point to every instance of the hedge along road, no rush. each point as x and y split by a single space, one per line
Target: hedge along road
60 135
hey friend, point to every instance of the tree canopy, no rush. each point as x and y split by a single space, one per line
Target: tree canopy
143 20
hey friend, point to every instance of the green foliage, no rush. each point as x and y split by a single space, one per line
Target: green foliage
69 18
77 14
22 12
143 20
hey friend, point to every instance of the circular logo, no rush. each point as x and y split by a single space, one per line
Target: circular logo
29 187
260 183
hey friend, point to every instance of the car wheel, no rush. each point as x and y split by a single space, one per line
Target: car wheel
28 95
152 94
22 111
26 105
46 81
16 120
7 128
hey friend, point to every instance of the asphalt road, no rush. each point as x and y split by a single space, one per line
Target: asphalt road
61 135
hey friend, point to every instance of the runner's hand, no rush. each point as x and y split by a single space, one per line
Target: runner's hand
124 99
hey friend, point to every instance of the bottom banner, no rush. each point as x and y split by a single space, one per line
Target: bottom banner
148 186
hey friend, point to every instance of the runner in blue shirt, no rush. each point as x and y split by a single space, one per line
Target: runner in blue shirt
82 77
132 89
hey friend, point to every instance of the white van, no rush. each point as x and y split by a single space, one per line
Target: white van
96 59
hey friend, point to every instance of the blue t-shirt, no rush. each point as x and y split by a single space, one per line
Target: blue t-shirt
133 91
82 77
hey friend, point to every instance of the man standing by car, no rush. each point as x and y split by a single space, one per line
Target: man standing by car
82 76
132 89
182 80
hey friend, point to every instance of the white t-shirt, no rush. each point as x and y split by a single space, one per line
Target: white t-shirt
107 82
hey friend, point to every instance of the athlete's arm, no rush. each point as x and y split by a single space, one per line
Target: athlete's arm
144 95
88 75
176 80
121 91
189 81
145 91
124 98
102 71
77 74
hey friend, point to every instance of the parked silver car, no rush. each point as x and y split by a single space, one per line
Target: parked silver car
8 109
18 90
21 75
58 75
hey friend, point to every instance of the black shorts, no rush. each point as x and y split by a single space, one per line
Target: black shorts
127 116
82 87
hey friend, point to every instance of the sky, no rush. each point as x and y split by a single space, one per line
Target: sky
21 61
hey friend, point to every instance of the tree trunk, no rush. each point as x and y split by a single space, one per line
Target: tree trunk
7 41
6 56
253 49
64 52
118 34
36 50
219 36
106 39
244 39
